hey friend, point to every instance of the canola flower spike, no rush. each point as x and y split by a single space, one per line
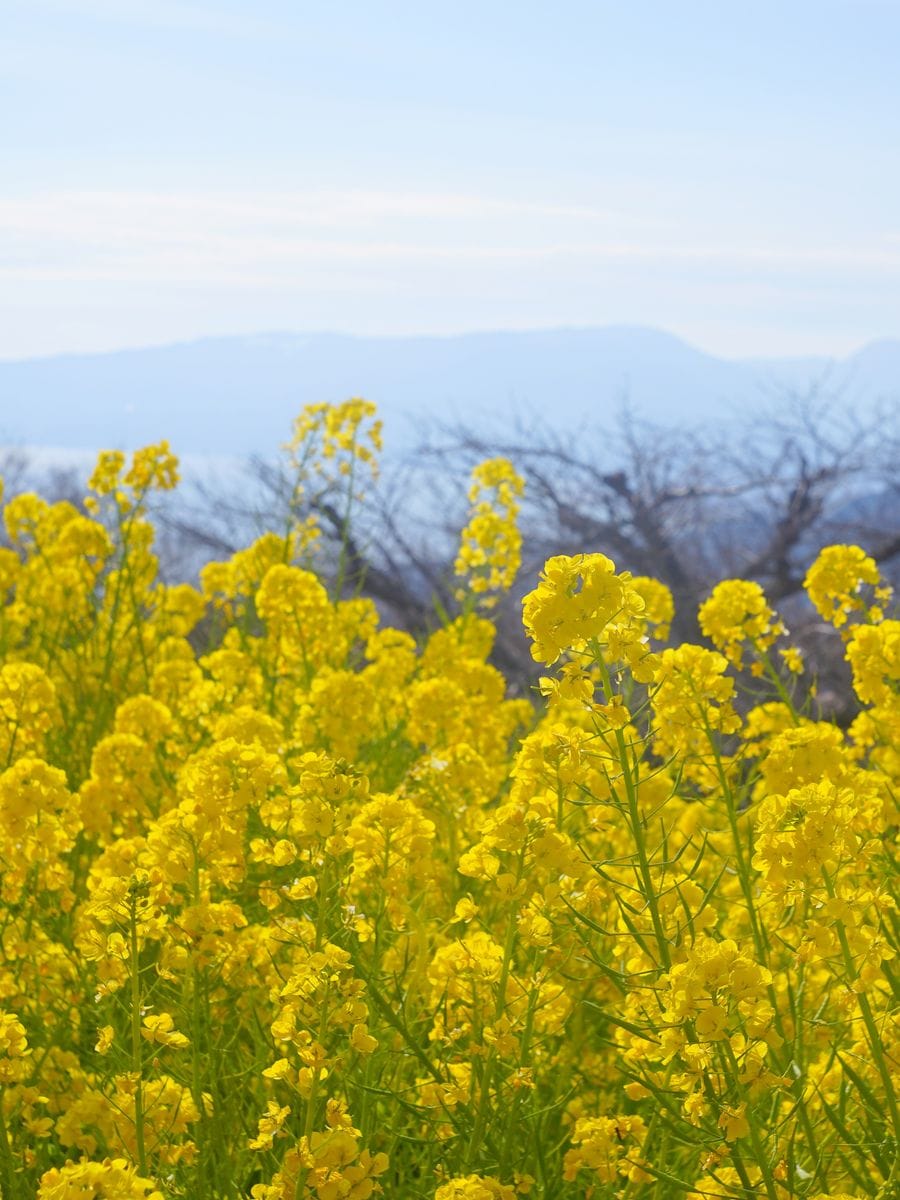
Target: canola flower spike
604 1147
873 653
330 440
579 599
152 468
836 580
294 908
28 709
490 549
737 614
13 1047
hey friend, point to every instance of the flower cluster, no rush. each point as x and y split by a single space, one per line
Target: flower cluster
490 547
296 907
737 614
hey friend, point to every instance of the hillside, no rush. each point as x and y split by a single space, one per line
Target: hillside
230 395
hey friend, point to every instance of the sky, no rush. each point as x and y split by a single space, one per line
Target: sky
724 170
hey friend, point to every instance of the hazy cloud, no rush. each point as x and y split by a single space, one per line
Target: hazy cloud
256 239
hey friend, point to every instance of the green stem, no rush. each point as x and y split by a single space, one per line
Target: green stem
759 1153
743 865
196 1075
634 816
345 527
137 1064
875 1041
311 1101
778 684
507 1144
488 1076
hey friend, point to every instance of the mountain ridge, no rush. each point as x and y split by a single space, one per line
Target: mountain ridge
237 393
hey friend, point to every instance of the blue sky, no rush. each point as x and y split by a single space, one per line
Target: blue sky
175 168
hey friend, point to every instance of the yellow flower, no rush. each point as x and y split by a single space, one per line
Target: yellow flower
792 659
490 545
105 1039
330 846
710 1023
735 614
835 581
733 1120
271 1125
161 1030
466 909
362 1041
113 1178
579 600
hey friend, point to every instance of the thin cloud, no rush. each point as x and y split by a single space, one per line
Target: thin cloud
86 212
159 14
256 239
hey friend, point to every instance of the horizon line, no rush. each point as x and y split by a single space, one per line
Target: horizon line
457 335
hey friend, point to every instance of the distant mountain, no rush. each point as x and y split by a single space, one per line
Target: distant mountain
232 395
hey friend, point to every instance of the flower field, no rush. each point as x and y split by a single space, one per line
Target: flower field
293 906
